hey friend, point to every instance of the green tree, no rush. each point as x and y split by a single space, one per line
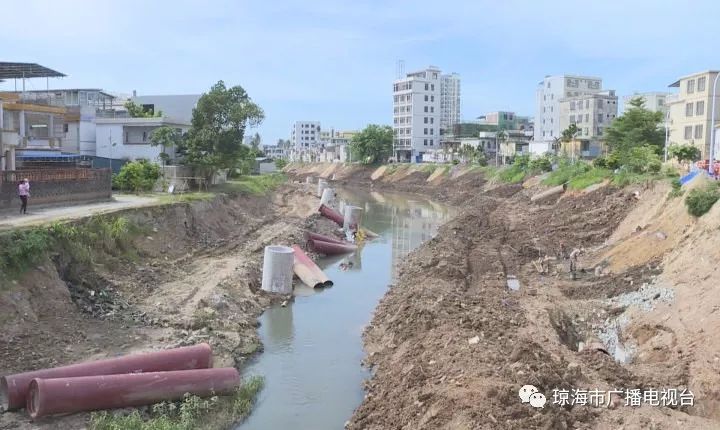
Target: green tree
215 140
373 144
137 111
500 138
165 137
137 176
637 127
684 153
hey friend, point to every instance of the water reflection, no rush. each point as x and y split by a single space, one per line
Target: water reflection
313 347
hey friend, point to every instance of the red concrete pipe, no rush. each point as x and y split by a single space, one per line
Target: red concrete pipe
91 393
331 214
14 388
319 278
316 236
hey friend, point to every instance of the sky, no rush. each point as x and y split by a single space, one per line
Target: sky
334 61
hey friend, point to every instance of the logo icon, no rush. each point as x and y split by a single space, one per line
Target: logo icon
537 400
526 391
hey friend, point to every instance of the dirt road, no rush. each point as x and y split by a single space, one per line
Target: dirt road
48 214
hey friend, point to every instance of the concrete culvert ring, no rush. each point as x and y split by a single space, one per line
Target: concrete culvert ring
4 395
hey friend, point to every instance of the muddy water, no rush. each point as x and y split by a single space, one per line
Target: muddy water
313 347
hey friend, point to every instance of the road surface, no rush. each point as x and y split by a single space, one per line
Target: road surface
50 214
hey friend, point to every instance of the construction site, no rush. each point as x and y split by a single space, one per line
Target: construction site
423 298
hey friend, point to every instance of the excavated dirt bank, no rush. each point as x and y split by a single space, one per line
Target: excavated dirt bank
195 278
450 345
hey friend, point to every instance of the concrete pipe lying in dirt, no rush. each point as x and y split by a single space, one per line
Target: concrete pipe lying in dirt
278 269
331 248
331 214
352 218
549 193
322 184
308 271
328 197
88 393
14 388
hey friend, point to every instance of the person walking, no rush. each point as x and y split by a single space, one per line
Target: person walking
24 193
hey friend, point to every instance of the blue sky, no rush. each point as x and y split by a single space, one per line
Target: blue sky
334 61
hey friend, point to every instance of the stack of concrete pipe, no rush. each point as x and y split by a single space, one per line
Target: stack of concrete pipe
131 380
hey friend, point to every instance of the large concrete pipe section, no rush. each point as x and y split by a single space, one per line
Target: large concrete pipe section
89 393
328 197
304 266
331 214
14 388
322 184
352 218
278 269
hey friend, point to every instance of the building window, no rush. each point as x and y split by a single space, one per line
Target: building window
426 120
543 109
432 120
432 98
698 131
426 87
424 130
425 140
688 132
432 87
572 105
587 117
65 128
587 104
600 118
426 108
691 86
572 119
432 108
700 106
688 109
432 142
701 84
432 131
585 132
426 97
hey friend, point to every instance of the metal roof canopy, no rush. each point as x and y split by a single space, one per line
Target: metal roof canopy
26 71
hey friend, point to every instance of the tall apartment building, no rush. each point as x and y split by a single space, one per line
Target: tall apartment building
655 101
690 111
591 113
550 91
305 134
416 114
449 101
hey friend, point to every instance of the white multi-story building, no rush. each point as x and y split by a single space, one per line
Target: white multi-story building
549 93
591 113
690 111
449 101
655 101
416 114
305 141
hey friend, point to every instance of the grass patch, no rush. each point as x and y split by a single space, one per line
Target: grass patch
214 413
97 238
255 184
700 200
511 175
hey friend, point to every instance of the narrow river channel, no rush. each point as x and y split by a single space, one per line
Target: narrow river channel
313 347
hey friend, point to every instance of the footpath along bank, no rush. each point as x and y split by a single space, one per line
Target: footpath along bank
451 345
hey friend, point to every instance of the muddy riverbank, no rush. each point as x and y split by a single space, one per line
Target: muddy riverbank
450 345
191 273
